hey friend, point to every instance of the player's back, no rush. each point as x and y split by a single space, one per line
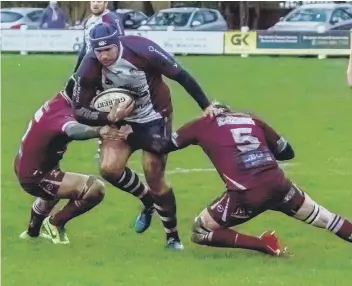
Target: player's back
44 142
240 147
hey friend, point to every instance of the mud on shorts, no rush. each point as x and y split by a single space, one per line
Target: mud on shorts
236 207
162 127
43 185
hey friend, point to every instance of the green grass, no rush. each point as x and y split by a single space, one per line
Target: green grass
307 100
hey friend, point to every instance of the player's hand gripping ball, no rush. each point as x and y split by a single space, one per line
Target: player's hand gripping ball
118 102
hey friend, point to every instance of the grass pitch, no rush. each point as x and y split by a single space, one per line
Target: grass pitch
307 100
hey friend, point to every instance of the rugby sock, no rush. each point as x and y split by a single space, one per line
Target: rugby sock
40 210
341 227
71 210
129 182
165 205
233 239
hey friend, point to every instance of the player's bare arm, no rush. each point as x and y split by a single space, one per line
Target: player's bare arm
78 131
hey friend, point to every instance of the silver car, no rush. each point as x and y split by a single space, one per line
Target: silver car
181 19
14 18
314 17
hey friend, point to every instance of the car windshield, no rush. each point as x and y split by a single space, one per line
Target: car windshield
177 19
308 15
9 17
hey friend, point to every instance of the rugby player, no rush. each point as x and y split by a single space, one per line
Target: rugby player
137 64
100 14
38 171
244 150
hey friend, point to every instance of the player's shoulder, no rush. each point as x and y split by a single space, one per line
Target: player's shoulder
131 40
89 63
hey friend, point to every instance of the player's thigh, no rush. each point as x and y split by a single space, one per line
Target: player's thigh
154 164
67 185
113 156
293 201
233 208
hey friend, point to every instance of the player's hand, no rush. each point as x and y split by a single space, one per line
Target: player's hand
212 111
120 111
109 133
124 131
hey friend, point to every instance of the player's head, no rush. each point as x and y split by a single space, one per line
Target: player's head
53 4
104 40
98 7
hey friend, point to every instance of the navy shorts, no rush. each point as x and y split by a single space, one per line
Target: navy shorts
161 127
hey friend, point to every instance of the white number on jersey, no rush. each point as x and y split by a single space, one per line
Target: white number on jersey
37 116
244 136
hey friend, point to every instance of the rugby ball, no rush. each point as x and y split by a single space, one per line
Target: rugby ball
105 100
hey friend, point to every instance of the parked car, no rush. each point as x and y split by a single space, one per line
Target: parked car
343 26
132 19
197 19
14 18
314 17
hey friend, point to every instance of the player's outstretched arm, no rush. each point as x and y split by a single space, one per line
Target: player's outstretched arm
80 132
156 58
153 144
349 71
183 137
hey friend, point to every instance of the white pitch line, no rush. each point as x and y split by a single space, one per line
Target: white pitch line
203 170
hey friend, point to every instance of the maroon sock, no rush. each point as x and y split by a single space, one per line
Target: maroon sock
233 239
165 205
71 210
345 231
40 210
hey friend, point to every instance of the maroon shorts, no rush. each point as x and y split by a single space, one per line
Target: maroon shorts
41 184
236 207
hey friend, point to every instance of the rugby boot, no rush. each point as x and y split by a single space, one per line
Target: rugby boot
174 244
57 234
272 244
25 236
144 219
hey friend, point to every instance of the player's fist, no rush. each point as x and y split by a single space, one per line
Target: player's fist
109 133
120 111
212 111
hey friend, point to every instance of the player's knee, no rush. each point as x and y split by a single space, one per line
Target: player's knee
94 190
154 175
199 233
312 213
111 171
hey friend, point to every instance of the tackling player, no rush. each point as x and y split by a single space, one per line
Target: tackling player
244 150
100 14
137 64
37 168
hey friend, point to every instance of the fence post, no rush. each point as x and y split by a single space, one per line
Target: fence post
23 30
244 29
321 30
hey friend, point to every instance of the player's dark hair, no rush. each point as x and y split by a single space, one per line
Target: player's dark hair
224 107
